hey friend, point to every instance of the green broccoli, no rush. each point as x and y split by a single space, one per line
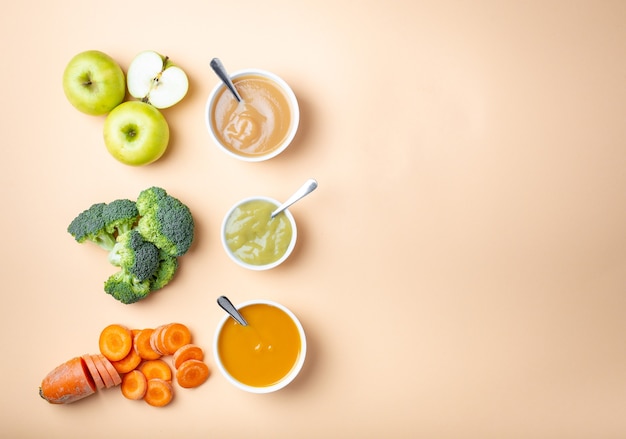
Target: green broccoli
144 268
90 225
126 288
135 255
144 238
165 221
165 271
120 216
129 287
102 222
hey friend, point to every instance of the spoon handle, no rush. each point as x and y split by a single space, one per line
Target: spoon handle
228 306
309 186
219 69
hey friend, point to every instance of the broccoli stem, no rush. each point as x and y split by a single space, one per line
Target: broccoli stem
105 241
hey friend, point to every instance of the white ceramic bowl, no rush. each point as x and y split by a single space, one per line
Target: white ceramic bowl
292 243
293 373
293 106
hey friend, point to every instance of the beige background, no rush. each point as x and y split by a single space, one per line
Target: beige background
461 271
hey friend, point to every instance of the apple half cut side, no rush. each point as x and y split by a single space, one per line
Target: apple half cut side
154 79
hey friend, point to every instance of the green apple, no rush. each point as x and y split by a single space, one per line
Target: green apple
94 83
154 79
136 133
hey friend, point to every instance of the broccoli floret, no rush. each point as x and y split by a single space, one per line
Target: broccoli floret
90 225
126 288
165 221
120 216
144 238
135 255
165 271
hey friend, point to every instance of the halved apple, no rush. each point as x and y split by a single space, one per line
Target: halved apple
154 79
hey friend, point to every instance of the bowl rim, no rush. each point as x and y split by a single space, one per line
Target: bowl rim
295 370
293 104
283 258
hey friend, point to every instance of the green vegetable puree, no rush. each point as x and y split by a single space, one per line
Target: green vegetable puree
256 238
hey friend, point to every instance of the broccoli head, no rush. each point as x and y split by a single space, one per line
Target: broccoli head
90 225
136 255
102 222
165 221
164 272
126 288
144 238
120 216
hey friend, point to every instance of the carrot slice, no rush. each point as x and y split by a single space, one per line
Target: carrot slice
174 336
155 340
115 342
115 376
187 352
134 385
93 370
192 373
143 347
159 392
68 383
156 369
102 370
128 363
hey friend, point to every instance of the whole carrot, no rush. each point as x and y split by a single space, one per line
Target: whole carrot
68 382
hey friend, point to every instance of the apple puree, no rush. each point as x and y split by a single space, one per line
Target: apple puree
257 125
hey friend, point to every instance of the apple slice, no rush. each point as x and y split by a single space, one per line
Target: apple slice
154 79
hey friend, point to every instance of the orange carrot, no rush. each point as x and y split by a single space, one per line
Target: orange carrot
128 363
159 392
115 342
192 373
115 376
102 370
143 347
68 383
134 385
187 352
93 371
155 340
156 369
173 336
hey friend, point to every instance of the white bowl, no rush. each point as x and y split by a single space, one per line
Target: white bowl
293 373
293 106
235 258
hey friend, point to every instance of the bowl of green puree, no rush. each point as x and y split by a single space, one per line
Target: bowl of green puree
255 240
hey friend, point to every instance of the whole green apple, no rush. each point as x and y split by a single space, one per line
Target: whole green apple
94 83
136 133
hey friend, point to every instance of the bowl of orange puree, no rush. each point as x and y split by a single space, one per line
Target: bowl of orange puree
267 354
259 127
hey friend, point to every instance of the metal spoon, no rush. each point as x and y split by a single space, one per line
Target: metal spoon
228 306
219 69
309 186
